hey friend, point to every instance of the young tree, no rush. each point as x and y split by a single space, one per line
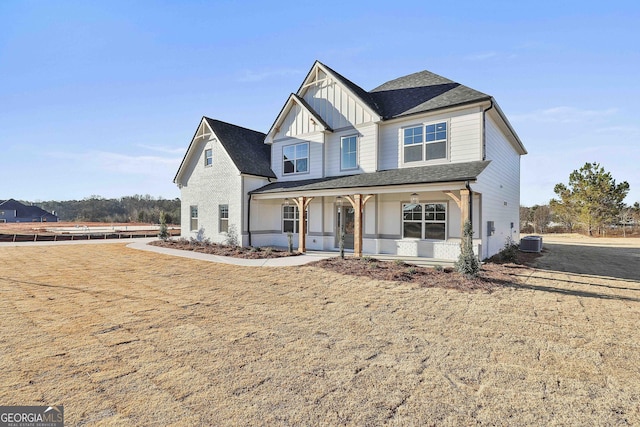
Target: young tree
467 263
541 218
592 196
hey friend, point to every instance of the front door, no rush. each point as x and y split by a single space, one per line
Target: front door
349 220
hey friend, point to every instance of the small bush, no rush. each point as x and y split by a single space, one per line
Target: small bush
399 262
412 270
467 263
438 268
510 251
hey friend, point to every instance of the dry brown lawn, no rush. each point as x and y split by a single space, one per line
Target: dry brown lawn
126 337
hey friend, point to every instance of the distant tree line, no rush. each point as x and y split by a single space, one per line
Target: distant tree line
592 202
136 208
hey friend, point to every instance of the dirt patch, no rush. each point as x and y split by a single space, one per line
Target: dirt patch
578 254
223 250
122 337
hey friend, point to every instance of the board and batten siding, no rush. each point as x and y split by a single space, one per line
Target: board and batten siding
367 139
499 184
334 103
465 138
297 122
316 157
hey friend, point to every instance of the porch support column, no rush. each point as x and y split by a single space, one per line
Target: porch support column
302 202
358 201
463 204
464 208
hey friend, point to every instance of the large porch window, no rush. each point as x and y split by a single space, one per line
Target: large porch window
424 221
291 219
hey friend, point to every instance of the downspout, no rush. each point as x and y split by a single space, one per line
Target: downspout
484 129
468 187
249 218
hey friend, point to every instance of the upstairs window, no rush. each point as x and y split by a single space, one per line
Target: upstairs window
223 218
194 217
295 158
349 152
423 143
208 157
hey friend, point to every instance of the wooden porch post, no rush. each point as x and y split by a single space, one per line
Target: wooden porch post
463 204
358 202
464 208
302 202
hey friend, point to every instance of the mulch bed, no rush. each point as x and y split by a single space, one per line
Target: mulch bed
223 250
494 273
490 277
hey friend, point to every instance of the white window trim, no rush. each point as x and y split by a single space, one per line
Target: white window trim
220 218
208 165
191 218
296 159
423 221
342 138
295 220
424 143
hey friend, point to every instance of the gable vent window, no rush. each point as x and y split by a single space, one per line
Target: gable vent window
208 157
295 158
424 143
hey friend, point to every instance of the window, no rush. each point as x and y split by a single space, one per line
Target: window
295 158
424 221
208 157
425 142
223 218
349 152
291 219
194 217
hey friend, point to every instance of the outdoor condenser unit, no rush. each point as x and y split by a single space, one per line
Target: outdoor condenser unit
531 244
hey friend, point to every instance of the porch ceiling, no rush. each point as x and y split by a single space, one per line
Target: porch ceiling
436 174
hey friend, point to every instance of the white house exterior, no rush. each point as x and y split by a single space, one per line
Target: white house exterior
222 164
400 164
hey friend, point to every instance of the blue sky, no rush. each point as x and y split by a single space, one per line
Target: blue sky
102 98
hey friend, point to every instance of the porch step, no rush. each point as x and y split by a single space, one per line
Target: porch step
419 261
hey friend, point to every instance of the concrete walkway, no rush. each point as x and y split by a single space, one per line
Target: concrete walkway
142 244
310 256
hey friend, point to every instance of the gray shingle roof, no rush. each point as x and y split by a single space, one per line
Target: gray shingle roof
246 147
25 211
420 92
417 175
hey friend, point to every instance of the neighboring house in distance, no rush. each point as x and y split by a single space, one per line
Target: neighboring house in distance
400 167
13 211
222 164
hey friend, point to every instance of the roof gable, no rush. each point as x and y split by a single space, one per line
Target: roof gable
245 147
292 101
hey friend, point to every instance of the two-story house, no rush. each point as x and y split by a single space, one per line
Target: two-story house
398 168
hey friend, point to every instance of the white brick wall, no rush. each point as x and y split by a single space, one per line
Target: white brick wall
209 187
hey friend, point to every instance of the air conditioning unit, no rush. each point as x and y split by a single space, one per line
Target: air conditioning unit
531 244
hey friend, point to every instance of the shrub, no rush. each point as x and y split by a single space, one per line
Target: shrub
164 230
438 268
467 263
232 236
510 251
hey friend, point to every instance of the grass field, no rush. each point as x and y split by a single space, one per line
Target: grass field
125 337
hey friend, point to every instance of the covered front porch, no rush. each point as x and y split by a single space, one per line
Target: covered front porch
402 219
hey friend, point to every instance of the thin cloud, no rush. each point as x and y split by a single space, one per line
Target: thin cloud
257 76
162 149
481 56
563 114
121 163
